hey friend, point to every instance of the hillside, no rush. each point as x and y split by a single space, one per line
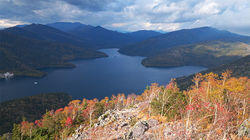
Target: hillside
101 37
155 45
143 35
207 54
209 110
46 33
30 108
239 68
25 56
68 26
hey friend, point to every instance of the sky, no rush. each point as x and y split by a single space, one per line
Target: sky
131 15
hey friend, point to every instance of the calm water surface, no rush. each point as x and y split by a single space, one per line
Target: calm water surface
95 78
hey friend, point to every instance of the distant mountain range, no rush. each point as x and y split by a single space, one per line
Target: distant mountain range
24 53
100 37
143 34
207 54
25 49
160 43
22 45
68 26
46 33
203 46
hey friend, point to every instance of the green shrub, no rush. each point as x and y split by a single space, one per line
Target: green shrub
168 103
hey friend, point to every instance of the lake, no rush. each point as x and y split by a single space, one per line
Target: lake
95 78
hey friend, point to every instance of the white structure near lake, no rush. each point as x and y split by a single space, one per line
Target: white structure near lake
7 75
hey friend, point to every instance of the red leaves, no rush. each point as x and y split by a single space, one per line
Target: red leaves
69 122
85 113
172 86
38 123
26 127
24 123
58 110
189 107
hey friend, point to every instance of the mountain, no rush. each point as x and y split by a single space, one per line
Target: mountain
68 26
46 33
155 45
25 56
143 34
101 37
104 38
98 36
207 54
239 68
21 25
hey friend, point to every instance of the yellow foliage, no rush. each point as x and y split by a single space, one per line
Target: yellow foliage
160 118
219 131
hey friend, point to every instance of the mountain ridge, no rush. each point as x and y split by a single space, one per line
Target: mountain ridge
102 37
157 44
25 56
207 54
46 33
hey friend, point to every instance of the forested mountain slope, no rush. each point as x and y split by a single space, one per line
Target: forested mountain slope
207 54
156 45
239 68
47 33
29 108
25 56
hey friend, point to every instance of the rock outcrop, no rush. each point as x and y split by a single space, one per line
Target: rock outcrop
126 125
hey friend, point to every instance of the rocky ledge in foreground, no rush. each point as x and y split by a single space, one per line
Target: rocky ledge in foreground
127 124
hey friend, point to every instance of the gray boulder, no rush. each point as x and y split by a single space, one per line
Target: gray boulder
138 130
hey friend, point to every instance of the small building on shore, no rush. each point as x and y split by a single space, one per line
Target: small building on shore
6 75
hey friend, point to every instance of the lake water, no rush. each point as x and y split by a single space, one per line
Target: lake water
95 78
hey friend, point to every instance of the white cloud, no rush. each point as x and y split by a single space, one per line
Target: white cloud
207 8
8 23
167 15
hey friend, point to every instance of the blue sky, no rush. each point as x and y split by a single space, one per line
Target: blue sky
131 15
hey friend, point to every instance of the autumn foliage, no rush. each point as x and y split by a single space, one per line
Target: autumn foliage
215 105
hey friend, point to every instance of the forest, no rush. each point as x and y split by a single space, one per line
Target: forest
29 108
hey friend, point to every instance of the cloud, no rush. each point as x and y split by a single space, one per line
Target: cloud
130 15
8 23
100 5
